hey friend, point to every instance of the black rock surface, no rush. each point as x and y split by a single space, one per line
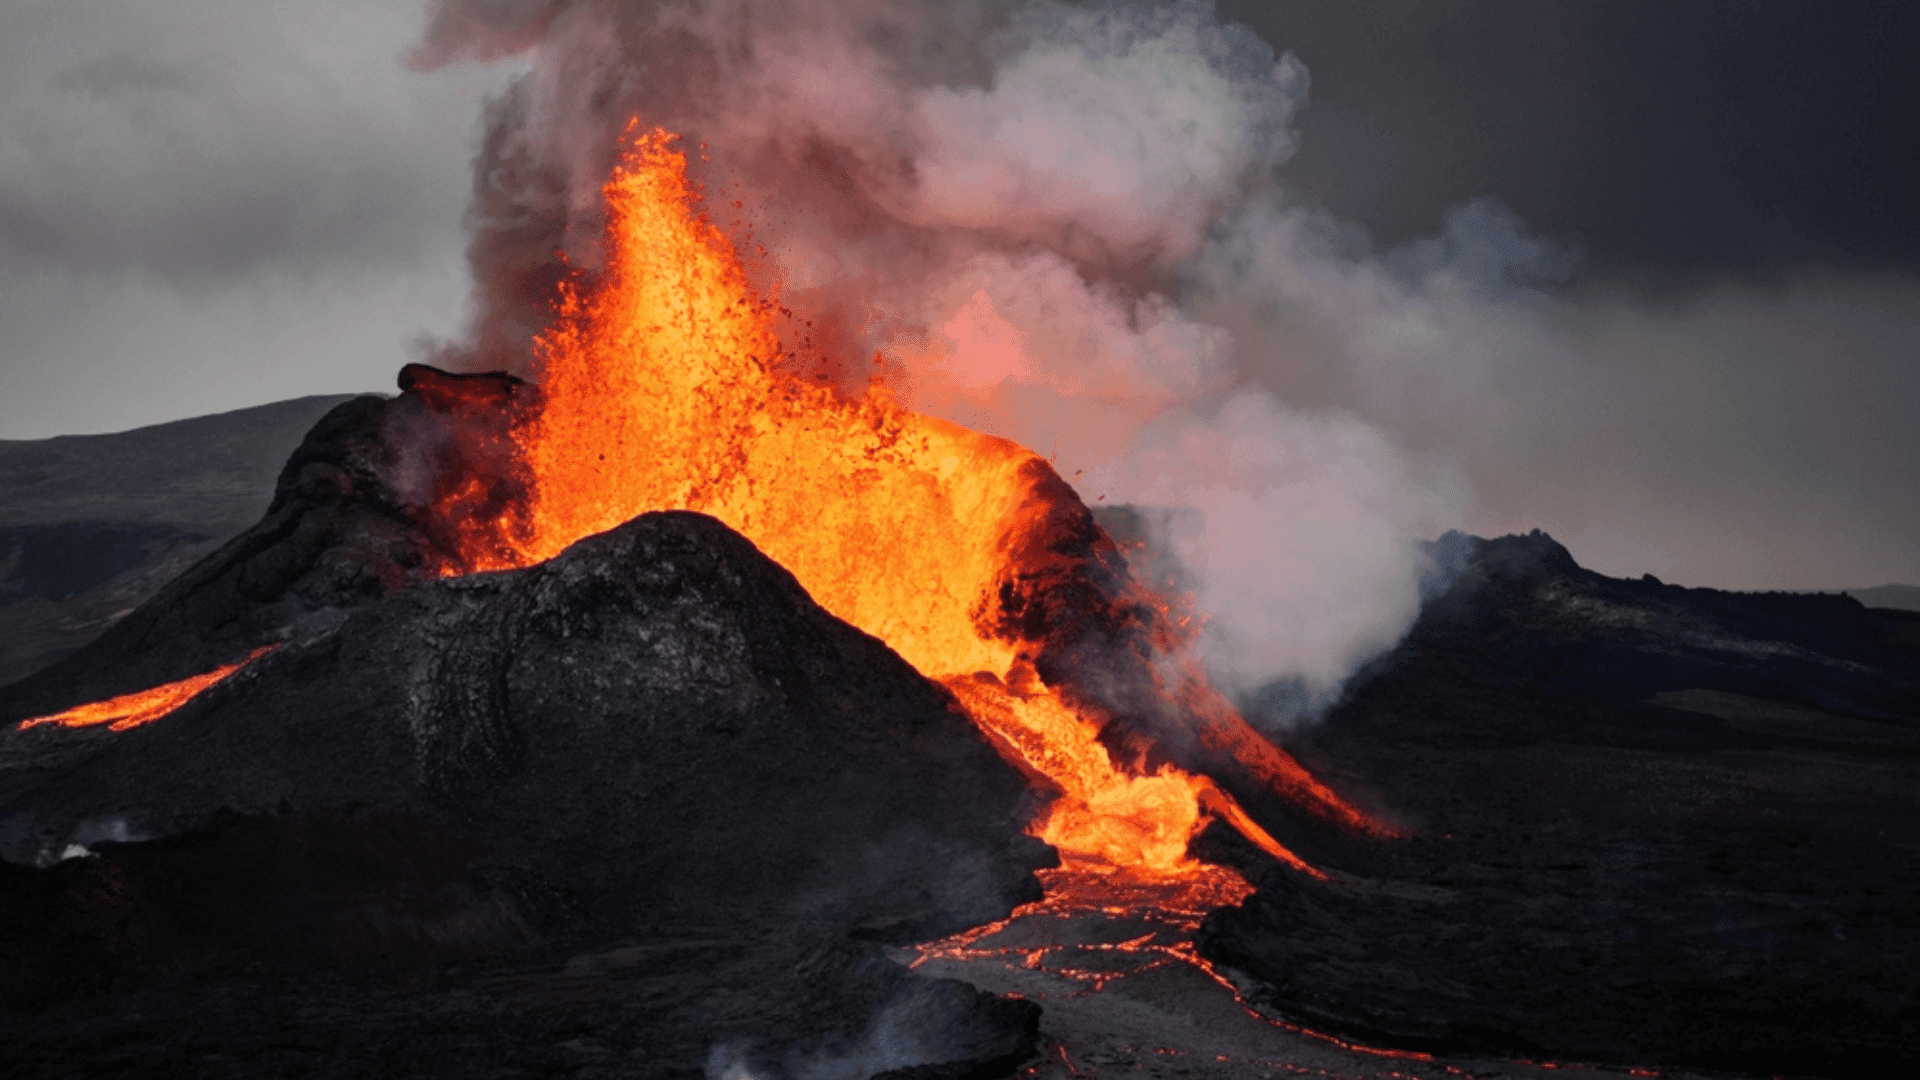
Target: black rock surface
93 525
353 518
336 535
654 746
1653 826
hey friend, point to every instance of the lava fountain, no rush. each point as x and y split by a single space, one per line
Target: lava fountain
664 386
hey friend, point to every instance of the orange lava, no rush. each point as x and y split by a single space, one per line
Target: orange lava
663 386
142 706
1167 913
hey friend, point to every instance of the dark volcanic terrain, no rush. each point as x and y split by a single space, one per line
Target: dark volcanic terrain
93 525
652 754
1652 825
645 810
636 806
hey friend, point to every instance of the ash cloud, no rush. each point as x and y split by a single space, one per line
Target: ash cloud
1070 225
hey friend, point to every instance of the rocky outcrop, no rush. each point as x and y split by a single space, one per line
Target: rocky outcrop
1520 612
349 523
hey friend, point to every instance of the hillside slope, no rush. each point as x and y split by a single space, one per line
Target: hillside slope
91 525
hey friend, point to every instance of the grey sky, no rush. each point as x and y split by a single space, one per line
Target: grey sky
208 204
1680 141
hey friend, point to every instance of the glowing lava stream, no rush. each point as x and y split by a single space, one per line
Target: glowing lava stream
661 386
1169 911
143 706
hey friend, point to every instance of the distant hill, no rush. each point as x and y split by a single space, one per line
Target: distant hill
1651 825
91 525
1903 597
199 473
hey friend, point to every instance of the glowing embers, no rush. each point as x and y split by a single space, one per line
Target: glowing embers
142 706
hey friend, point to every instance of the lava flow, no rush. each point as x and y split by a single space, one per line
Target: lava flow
1092 930
664 386
143 706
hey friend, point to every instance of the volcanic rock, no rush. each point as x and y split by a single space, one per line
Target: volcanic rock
1653 826
654 746
336 535
93 525
348 524
386 493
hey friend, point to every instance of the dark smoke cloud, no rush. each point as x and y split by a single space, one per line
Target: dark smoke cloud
1687 142
484 30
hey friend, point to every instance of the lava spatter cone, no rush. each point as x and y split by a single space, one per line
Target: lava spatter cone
658 720
703 681
663 386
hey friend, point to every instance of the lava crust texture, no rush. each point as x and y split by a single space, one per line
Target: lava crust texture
653 741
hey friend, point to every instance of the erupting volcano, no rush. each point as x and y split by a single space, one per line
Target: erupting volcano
536 626
664 386
794 620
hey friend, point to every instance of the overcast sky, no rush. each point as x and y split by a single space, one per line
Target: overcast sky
208 204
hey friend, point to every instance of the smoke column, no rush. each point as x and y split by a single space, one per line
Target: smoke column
1063 224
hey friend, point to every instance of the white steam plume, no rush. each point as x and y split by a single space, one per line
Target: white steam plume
1065 224
1026 209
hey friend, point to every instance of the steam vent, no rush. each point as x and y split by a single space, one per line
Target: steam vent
669 714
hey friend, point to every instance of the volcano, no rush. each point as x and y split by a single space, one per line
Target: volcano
1650 824
480 663
654 744
673 713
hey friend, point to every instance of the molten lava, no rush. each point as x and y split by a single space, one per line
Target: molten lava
1093 930
142 706
663 386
